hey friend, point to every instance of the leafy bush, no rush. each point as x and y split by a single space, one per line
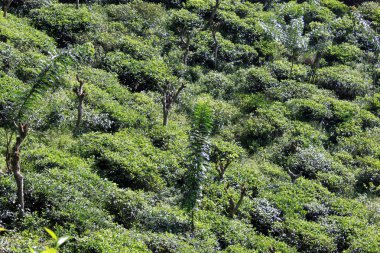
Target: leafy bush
281 70
266 125
112 241
346 82
65 23
255 79
343 53
138 75
127 158
308 237
142 18
18 33
291 89
265 217
336 6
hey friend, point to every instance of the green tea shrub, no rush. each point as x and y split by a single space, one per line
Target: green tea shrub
313 12
342 28
10 57
361 144
8 211
281 70
65 23
341 181
308 236
236 29
139 17
230 55
138 75
111 240
346 82
127 158
217 84
309 110
266 125
315 211
127 205
164 218
249 103
45 158
268 50
69 206
343 53
255 79
25 6
310 161
370 11
266 218
368 177
290 89
18 33
336 6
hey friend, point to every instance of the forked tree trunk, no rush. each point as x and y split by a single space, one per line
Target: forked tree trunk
221 168
315 66
234 207
81 95
169 97
16 167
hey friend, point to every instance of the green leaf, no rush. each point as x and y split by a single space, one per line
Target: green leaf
49 250
52 234
3 229
62 240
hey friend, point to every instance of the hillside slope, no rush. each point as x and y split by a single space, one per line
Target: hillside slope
191 126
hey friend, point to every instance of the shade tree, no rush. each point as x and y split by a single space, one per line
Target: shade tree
290 35
185 25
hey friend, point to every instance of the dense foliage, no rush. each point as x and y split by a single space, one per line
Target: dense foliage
190 126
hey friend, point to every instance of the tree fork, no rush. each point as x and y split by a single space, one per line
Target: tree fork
234 207
168 98
81 95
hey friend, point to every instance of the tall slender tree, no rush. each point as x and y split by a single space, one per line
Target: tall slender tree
290 35
18 110
199 158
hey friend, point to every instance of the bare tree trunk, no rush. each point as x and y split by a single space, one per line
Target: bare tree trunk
81 95
6 5
16 167
77 4
216 47
315 65
291 68
192 221
187 49
166 106
8 155
213 25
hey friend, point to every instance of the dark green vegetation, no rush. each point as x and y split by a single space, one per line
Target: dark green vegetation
197 126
